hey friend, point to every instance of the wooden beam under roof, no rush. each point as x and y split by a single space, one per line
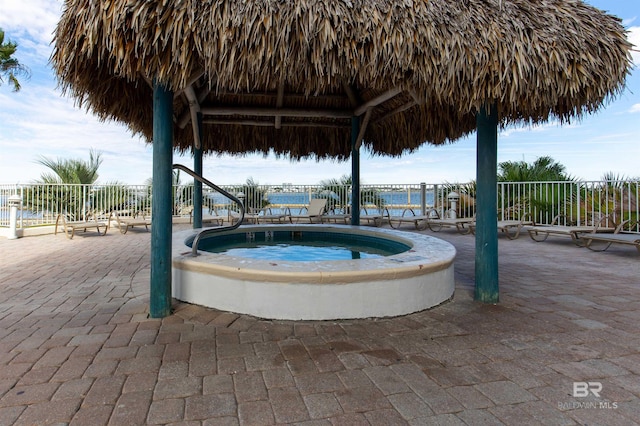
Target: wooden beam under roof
273 112
373 102
279 103
258 123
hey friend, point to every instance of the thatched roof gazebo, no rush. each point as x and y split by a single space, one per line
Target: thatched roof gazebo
320 78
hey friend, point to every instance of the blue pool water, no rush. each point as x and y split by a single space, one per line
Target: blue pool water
302 246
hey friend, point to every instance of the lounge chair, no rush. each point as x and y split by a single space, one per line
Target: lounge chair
213 217
409 216
541 232
314 211
69 227
233 216
435 223
270 215
125 220
374 218
509 227
183 213
628 238
336 216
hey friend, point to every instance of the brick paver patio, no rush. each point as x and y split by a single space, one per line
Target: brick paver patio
76 346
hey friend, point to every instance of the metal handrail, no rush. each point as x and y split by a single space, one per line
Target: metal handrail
206 231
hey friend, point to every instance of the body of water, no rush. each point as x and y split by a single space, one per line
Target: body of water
395 201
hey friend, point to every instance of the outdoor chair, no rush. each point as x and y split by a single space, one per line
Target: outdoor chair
617 237
336 216
213 217
374 218
125 220
69 227
435 222
541 232
409 216
270 215
313 212
509 227
249 217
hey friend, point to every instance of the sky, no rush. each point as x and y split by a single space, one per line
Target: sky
38 121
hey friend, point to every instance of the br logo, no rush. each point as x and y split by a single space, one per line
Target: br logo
582 389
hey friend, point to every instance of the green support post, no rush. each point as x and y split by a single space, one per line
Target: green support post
355 171
197 185
160 292
486 289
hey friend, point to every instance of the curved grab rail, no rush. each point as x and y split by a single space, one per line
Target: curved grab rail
206 231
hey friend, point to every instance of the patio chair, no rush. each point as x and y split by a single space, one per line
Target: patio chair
435 223
249 217
125 220
375 218
541 232
213 217
409 216
509 227
336 216
617 237
69 227
314 211
270 215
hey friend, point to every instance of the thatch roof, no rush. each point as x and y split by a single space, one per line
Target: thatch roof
423 67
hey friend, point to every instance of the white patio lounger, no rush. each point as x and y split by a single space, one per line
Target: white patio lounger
124 220
541 232
213 217
509 227
314 211
343 218
462 224
409 216
69 227
621 238
267 214
629 238
375 219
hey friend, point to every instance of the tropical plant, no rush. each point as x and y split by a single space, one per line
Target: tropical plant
181 194
616 196
10 67
72 171
253 196
540 200
68 188
466 204
338 194
542 169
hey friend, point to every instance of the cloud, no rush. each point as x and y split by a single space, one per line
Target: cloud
635 108
32 19
634 37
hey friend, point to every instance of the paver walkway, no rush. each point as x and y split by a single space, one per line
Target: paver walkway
76 346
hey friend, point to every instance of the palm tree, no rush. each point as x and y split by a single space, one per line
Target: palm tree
10 68
338 191
255 197
64 190
540 200
73 171
615 195
181 194
542 169
466 204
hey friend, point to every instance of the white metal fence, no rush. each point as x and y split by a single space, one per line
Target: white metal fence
577 202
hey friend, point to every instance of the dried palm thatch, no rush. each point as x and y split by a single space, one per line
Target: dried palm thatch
287 76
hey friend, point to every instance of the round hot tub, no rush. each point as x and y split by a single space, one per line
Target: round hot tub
282 271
